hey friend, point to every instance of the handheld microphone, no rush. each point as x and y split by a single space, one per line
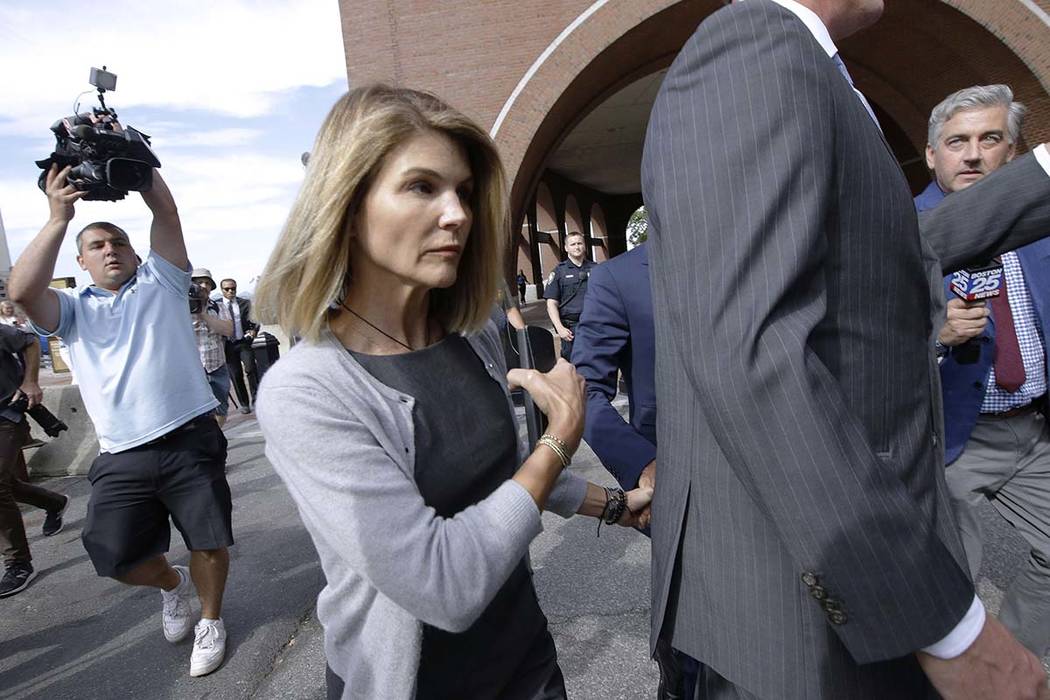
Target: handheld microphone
979 282
976 284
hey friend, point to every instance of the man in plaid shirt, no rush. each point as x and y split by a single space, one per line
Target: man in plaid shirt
997 439
211 327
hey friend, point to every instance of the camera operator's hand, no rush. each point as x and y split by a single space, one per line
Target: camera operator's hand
60 194
112 121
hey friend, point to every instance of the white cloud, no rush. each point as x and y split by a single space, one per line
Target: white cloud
191 138
230 57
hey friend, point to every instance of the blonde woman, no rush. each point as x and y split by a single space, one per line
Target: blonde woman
391 423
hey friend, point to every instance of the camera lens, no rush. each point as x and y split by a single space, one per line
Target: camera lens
86 175
127 174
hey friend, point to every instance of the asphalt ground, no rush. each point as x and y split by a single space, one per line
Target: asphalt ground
73 635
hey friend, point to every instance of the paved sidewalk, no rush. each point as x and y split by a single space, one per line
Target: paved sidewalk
74 635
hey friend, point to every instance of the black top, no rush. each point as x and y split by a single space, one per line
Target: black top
569 287
466 447
12 370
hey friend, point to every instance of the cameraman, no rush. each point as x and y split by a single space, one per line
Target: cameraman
19 364
211 326
141 380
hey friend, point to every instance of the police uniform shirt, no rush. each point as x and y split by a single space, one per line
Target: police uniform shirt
570 286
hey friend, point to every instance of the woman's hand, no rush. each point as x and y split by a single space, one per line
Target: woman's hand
637 513
560 395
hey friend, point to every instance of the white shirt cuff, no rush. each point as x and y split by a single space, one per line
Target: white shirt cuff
1043 156
964 634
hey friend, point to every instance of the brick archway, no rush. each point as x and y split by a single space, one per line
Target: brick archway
914 57
607 46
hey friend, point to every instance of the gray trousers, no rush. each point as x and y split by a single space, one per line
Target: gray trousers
1007 462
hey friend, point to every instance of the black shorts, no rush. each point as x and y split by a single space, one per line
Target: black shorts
181 475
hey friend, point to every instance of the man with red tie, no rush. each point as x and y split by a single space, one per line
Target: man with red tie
997 439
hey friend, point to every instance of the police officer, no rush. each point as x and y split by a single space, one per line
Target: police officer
566 291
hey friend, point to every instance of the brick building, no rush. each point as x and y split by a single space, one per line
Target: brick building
565 87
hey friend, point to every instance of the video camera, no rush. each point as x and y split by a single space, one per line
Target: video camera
107 162
198 298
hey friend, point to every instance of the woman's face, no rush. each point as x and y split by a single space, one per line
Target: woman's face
416 217
7 308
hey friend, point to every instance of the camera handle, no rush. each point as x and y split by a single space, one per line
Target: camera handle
102 100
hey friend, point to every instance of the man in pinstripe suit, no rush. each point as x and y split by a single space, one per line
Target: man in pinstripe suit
803 543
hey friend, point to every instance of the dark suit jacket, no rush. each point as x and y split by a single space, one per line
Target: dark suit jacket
615 334
801 530
964 384
247 324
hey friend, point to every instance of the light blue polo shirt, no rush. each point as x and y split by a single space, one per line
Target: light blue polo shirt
135 355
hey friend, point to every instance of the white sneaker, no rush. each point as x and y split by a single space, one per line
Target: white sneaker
209 647
177 618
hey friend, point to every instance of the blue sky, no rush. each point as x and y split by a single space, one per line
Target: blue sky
231 92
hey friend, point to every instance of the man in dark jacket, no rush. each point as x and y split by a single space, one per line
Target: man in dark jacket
19 390
239 356
997 441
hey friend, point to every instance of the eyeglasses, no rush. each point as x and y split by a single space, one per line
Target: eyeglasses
229 289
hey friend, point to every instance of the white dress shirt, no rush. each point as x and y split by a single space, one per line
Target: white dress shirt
233 308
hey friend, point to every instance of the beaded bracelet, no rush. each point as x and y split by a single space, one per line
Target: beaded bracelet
615 505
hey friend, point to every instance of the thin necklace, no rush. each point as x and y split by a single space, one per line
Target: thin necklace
381 331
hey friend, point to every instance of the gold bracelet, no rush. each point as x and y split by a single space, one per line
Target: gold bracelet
563 456
555 448
552 436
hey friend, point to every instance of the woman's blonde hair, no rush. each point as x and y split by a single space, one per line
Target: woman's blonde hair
309 268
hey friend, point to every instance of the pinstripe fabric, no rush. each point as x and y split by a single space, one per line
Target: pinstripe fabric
803 436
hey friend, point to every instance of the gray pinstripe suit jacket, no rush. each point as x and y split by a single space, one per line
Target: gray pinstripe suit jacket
799 407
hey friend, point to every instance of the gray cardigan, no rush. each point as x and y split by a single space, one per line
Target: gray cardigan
343 444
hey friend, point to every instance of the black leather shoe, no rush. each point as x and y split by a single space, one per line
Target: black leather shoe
671 676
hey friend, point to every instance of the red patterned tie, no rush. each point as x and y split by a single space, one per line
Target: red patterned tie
1009 370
